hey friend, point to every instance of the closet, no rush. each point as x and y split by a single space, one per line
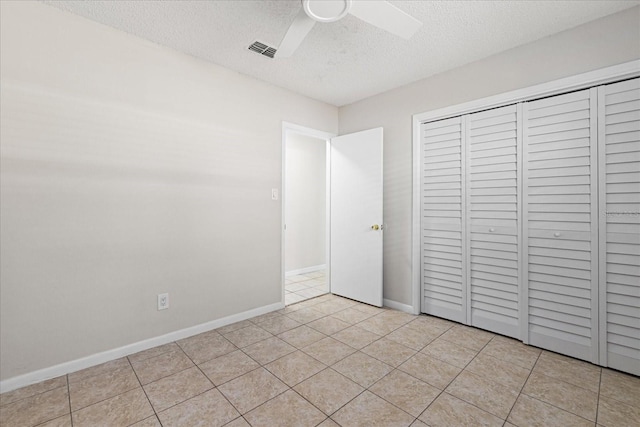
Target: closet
530 220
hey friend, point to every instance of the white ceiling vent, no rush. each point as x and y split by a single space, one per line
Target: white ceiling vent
263 49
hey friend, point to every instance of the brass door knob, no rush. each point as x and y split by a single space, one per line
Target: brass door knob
375 227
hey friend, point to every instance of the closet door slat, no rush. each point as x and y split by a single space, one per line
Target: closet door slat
493 268
442 220
619 150
560 161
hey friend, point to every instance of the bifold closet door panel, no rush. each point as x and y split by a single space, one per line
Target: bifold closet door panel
619 108
560 207
442 224
492 210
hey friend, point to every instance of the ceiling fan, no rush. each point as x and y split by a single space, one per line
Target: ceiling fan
380 13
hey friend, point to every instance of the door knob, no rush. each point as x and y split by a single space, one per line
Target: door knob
375 227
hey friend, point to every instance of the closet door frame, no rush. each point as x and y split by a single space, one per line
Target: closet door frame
606 75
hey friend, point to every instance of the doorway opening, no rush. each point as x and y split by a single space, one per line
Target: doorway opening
305 213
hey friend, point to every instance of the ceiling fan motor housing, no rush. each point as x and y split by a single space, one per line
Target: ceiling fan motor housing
326 10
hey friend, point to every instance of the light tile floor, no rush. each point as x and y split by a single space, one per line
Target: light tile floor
330 361
302 287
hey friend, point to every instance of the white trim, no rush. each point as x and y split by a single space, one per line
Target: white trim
523 282
106 356
305 270
289 128
595 308
398 306
416 235
602 230
622 71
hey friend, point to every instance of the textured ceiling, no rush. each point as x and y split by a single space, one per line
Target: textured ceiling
348 60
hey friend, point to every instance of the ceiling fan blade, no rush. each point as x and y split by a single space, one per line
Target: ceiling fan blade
384 15
296 33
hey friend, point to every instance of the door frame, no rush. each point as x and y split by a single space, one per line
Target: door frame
288 129
601 76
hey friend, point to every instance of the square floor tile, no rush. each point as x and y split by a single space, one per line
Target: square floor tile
252 389
268 350
36 409
207 346
295 368
615 413
466 336
449 352
570 370
329 307
432 371
406 392
411 337
432 326
622 387
487 395
512 351
356 337
532 412
362 369
65 421
449 411
234 326
247 336
176 388
301 336
112 365
148 422
209 409
351 315
389 351
368 410
305 315
328 390
565 396
100 387
286 410
122 410
153 352
505 373
328 350
328 325
380 325
278 325
161 366
32 390
227 367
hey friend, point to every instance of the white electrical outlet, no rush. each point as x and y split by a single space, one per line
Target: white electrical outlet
163 301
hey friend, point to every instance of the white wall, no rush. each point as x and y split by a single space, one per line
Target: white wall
128 170
608 41
305 202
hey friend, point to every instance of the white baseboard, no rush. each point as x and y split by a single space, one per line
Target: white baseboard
305 270
398 306
105 356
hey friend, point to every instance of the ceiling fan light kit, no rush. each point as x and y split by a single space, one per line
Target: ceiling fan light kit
379 13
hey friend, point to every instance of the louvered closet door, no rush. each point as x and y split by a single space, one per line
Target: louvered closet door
560 184
619 109
443 287
492 208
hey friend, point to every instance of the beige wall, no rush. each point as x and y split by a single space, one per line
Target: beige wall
608 41
128 170
305 202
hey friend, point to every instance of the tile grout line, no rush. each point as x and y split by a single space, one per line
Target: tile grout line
522 388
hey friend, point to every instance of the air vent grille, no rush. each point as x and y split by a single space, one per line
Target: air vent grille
263 49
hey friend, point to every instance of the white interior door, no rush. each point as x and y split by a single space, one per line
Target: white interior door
356 216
